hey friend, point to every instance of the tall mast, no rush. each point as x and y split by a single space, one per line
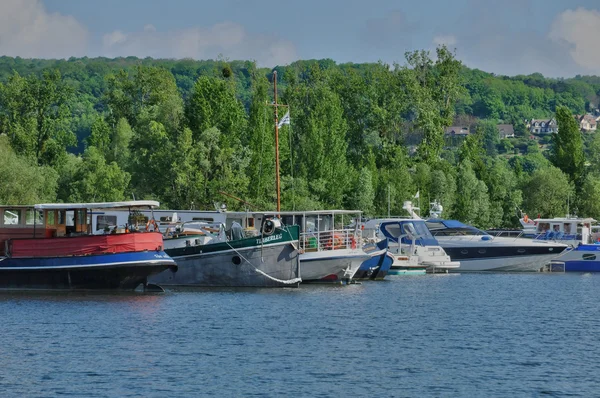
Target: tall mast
276 144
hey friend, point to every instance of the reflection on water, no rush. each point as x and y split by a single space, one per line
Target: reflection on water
458 335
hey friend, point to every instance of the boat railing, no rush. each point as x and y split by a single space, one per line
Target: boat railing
336 239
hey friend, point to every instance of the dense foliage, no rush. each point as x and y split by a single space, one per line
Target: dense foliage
366 136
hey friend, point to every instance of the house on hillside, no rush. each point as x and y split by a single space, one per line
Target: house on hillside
542 126
457 131
506 130
587 123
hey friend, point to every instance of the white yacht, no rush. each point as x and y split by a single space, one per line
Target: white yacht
479 251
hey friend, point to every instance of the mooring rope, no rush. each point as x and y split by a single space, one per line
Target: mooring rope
285 282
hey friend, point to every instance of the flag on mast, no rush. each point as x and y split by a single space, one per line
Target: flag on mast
284 120
417 195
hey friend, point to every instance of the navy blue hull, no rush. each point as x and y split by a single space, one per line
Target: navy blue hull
376 267
385 267
107 271
582 266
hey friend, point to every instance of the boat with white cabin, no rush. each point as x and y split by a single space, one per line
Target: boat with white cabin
51 246
414 249
330 251
479 251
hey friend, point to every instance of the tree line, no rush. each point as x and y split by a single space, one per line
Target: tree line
362 136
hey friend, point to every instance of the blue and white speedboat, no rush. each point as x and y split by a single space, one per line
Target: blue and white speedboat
583 258
579 234
411 244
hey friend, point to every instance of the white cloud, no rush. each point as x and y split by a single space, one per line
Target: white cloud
579 29
448 40
28 30
227 38
113 38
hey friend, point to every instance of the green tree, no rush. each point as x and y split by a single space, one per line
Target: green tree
567 145
320 140
547 192
434 88
147 93
213 103
36 116
100 137
589 198
363 195
97 181
23 181
472 200
261 142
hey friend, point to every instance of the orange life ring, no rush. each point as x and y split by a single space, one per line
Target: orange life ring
152 222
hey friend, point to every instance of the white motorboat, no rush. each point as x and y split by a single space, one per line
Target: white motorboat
414 248
479 251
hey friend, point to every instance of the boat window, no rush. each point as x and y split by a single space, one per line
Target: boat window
105 222
12 217
287 220
311 224
393 230
589 256
81 218
70 218
421 229
206 219
34 217
50 219
325 223
567 228
62 216
543 227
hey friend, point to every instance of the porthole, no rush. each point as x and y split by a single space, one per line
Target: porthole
481 251
464 252
236 260
521 251
589 256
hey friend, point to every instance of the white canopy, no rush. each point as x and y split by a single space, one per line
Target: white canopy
133 205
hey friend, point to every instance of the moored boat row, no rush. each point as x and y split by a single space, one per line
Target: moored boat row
121 245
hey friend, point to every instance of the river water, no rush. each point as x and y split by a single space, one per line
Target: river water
444 335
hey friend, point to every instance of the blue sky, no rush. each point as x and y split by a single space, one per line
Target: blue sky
557 38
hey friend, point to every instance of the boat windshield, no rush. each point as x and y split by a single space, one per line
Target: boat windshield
407 231
452 228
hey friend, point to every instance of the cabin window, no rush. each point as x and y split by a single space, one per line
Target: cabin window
62 217
393 230
34 217
105 222
205 219
12 217
50 219
287 220
166 219
81 218
589 256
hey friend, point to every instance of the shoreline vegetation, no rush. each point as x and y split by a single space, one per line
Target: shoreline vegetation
362 136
